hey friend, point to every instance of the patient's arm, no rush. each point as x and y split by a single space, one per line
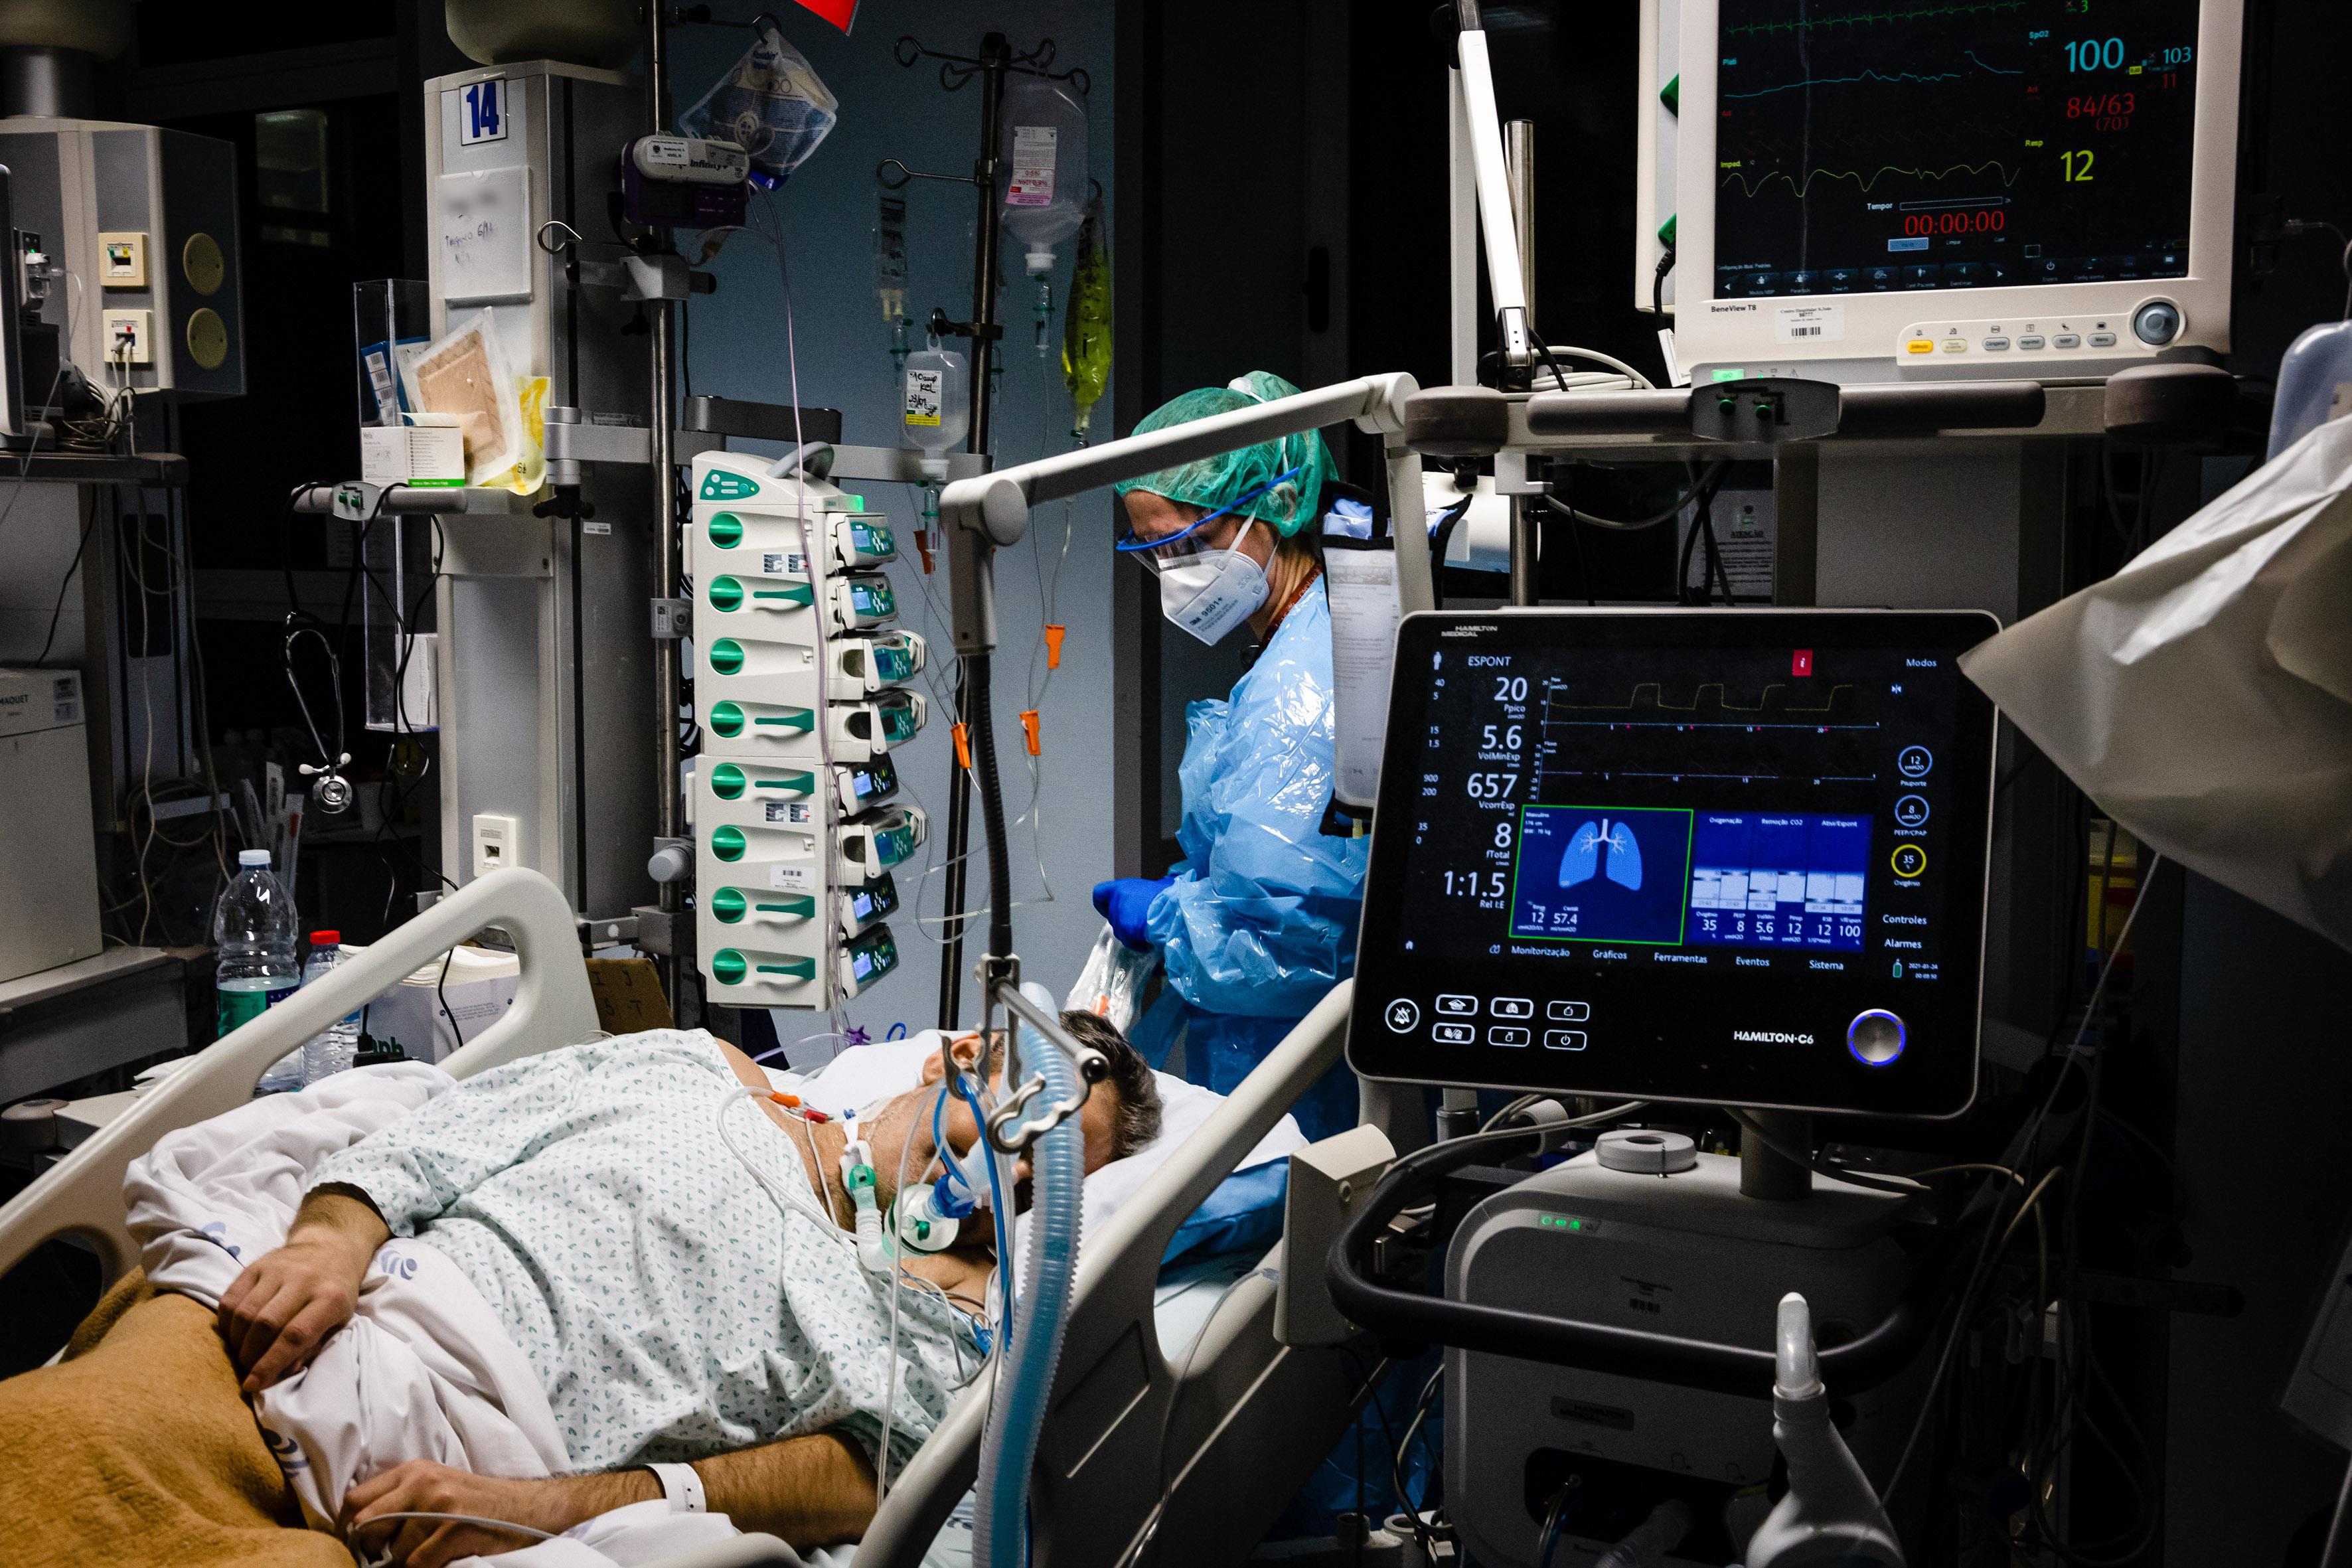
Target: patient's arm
812 1491
275 1315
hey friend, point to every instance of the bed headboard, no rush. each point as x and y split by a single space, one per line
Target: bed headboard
83 1193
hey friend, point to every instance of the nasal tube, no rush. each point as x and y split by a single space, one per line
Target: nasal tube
1025 1379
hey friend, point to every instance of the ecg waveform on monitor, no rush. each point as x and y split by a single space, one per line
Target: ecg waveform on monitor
1857 18
1864 181
1874 75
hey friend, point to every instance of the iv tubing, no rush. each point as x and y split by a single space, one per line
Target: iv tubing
1025 1380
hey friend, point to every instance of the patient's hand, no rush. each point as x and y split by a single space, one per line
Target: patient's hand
276 1314
553 1505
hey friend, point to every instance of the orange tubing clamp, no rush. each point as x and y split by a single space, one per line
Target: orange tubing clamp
1054 635
923 544
963 747
1029 724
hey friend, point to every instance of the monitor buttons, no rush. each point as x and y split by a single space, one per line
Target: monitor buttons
1454 1033
1568 1012
1458 1006
2067 340
1914 761
2103 339
1507 1034
1908 861
1876 1038
1402 1014
1563 1040
1911 811
1512 1008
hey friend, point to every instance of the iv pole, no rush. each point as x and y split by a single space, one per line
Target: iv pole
996 55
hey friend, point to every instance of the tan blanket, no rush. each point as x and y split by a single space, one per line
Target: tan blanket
136 1449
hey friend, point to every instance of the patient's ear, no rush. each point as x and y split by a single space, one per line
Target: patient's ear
934 1069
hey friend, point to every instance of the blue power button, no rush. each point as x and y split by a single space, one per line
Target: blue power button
1876 1038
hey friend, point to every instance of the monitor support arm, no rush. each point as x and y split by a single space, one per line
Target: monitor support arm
1473 80
985 513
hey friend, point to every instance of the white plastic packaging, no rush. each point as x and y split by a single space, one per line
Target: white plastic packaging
1111 981
935 405
467 373
1041 152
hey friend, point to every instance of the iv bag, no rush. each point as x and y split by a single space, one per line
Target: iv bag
770 104
1041 152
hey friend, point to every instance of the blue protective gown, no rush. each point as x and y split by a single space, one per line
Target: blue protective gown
1260 920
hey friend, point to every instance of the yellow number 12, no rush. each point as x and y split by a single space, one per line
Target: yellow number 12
2078 165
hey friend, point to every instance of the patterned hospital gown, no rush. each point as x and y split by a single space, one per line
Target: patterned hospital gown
672 1311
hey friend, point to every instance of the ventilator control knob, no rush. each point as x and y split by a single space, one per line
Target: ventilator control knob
1876 1038
2156 323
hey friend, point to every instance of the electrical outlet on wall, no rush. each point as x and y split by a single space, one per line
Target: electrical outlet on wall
122 259
497 844
128 335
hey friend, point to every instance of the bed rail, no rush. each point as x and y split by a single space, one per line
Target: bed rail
1095 1484
83 1193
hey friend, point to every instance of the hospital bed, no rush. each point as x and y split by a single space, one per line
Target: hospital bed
1250 1417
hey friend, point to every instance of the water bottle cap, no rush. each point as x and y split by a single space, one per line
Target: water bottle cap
253 857
326 939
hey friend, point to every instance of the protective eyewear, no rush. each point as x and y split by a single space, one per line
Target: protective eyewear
1185 542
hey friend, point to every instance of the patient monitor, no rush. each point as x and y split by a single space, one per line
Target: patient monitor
2036 188
1727 856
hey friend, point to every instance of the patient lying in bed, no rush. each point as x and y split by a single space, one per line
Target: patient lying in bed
666 1307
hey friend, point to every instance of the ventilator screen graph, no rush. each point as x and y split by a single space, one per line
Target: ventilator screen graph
1950 144
1734 809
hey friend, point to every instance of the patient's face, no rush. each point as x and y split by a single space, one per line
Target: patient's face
1098 1120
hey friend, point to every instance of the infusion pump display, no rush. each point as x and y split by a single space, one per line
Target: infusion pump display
1725 855
1867 147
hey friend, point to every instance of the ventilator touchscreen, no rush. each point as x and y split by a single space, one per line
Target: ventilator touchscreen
1705 855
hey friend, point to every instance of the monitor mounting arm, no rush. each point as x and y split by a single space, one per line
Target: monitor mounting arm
990 512
1473 84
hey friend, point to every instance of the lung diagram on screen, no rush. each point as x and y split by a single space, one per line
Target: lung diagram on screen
1593 873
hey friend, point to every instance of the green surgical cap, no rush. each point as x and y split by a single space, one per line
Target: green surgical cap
1217 482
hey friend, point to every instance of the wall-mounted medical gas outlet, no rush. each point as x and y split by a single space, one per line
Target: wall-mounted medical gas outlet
497 844
129 336
795 828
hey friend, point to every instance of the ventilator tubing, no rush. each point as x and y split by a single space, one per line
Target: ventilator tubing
1025 1381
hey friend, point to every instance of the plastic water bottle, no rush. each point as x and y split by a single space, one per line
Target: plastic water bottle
331 1050
254 927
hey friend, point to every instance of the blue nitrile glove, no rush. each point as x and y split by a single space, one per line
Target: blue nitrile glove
1125 901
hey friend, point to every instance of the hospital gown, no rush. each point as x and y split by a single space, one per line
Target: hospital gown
673 1312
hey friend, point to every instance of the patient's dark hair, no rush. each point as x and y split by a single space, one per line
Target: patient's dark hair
1138 1122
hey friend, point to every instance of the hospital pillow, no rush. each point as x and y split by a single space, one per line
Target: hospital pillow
1245 1210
